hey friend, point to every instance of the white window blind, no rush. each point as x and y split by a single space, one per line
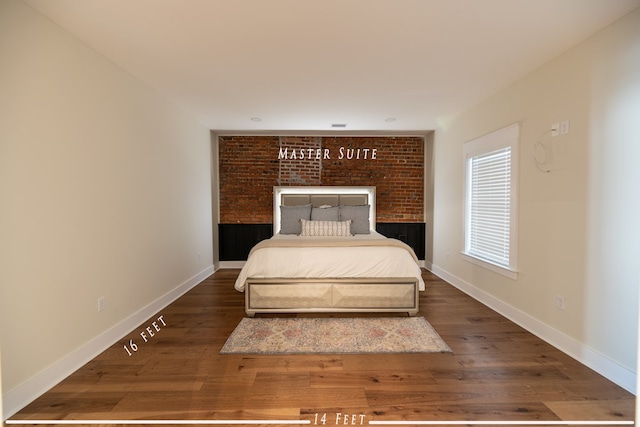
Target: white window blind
491 232
489 206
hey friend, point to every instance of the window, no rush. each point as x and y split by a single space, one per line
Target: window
490 208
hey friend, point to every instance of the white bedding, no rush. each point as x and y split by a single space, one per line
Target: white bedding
330 262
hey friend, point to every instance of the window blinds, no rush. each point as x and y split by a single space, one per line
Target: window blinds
489 206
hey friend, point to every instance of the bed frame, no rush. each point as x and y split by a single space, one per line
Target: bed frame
313 295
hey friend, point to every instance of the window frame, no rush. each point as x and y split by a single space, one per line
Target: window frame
507 137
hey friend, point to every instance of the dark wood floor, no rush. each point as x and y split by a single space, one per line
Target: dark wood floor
497 372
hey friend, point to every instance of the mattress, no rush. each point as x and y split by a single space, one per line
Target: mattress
361 256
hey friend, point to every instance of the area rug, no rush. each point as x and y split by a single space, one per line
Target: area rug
302 335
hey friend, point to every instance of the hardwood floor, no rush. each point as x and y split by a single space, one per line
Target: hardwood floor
497 372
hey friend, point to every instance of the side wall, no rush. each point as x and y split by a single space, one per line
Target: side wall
579 234
106 192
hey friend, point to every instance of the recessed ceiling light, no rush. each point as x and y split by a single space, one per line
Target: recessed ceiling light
390 119
256 119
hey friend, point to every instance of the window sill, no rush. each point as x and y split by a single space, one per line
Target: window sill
504 271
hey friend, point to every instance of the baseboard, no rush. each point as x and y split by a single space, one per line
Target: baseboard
606 367
20 396
232 264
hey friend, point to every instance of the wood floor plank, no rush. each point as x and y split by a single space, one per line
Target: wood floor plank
63 403
299 363
497 371
338 397
464 393
391 362
374 379
618 410
524 411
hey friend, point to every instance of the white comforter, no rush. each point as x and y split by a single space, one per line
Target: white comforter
329 261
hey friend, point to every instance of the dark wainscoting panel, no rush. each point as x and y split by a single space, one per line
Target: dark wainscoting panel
412 233
236 240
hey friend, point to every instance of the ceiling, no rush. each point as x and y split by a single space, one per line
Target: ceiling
305 65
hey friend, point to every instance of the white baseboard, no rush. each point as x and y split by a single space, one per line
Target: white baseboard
589 357
20 396
232 264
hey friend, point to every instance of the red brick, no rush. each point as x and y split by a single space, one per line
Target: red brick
249 168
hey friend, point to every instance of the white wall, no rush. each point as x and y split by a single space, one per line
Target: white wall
579 233
429 170
1 404
106 192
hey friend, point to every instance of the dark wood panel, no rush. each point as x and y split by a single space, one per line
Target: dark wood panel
236 240
412 233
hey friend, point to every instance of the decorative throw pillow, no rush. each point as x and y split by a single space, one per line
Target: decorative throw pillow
328 213
326 228
290 217
359 216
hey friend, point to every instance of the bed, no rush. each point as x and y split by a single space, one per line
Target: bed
325 256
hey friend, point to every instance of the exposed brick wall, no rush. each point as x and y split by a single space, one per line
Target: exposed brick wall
248 170
298 171
250 167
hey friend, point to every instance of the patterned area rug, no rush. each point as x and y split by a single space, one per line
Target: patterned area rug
302 335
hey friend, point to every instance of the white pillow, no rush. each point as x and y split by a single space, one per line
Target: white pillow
326 228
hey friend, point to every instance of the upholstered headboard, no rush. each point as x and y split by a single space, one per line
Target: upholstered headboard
325 195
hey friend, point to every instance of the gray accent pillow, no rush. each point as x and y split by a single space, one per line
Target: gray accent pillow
331 213
359 216
290 217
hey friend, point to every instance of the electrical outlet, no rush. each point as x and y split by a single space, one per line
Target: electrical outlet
564 127
102 304
560 303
